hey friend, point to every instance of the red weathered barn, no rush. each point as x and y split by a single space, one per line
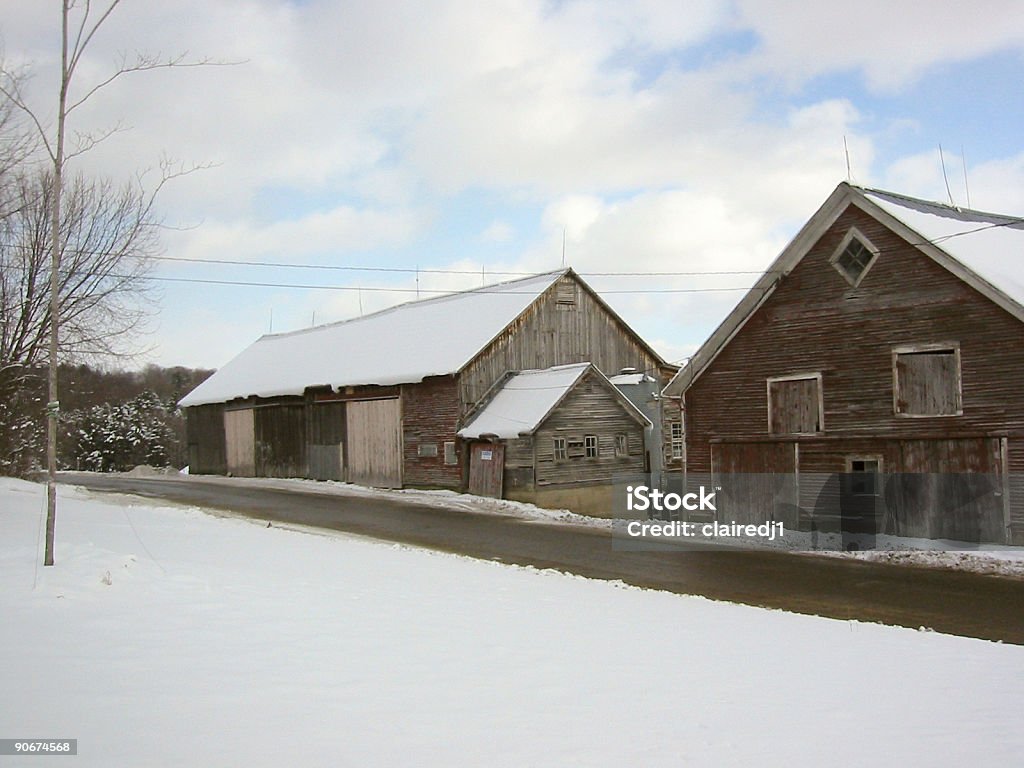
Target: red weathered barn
884 345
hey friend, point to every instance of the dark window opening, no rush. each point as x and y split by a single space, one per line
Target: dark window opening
854 260
864 477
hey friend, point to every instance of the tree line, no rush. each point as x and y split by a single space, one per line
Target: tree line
111 420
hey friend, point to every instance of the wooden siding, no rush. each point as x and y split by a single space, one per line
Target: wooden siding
934 488
430 416
553 332
240 438
1015 486
280 440
589 409
204 429
374 445
816 321
325 436
758 482
950 489
519 464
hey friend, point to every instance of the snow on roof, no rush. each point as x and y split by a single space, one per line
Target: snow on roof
399 345
990 245
523 402
630 378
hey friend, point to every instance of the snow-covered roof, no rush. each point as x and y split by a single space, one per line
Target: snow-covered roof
399 345
625 379
523 402
990 245
986 250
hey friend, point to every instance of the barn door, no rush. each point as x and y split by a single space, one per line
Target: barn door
240 439
486 469
758 482
374 435
948 489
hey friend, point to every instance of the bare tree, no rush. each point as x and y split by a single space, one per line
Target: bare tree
106 239
79 26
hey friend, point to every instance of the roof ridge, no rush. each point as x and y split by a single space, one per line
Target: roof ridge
957 210
428 300
560 367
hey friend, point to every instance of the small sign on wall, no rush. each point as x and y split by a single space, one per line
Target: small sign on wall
486 455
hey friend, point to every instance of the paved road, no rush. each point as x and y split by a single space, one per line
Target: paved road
973 605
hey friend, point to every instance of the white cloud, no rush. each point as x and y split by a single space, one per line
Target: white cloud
334 231
497 232
996 186
893 43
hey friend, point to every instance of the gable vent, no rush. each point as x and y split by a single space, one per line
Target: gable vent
854 257
565 294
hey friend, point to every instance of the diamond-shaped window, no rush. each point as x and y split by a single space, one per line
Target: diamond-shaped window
853 258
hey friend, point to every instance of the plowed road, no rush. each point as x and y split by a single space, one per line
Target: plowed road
953 602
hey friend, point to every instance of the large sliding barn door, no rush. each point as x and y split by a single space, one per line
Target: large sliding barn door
240 442
949 488
374 436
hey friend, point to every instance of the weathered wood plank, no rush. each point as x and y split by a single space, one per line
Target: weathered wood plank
552 333
240 438
374 431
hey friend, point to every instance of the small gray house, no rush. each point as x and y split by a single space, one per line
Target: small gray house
557 437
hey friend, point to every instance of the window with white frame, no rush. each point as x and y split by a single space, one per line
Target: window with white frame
795 405
676 435
561 449
926 380
590 446
621 445
450 456
854 257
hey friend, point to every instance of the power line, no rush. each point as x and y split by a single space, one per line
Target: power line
393 270
381 289
413 270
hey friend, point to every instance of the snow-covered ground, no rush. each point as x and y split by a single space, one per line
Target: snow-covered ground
169 636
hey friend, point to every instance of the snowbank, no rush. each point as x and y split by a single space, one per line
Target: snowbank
167 636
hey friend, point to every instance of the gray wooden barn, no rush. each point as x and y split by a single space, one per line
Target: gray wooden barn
379 400
885 347
557 437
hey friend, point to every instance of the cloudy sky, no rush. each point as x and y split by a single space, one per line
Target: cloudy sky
469 139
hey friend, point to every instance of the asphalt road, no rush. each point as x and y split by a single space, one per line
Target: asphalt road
954 602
